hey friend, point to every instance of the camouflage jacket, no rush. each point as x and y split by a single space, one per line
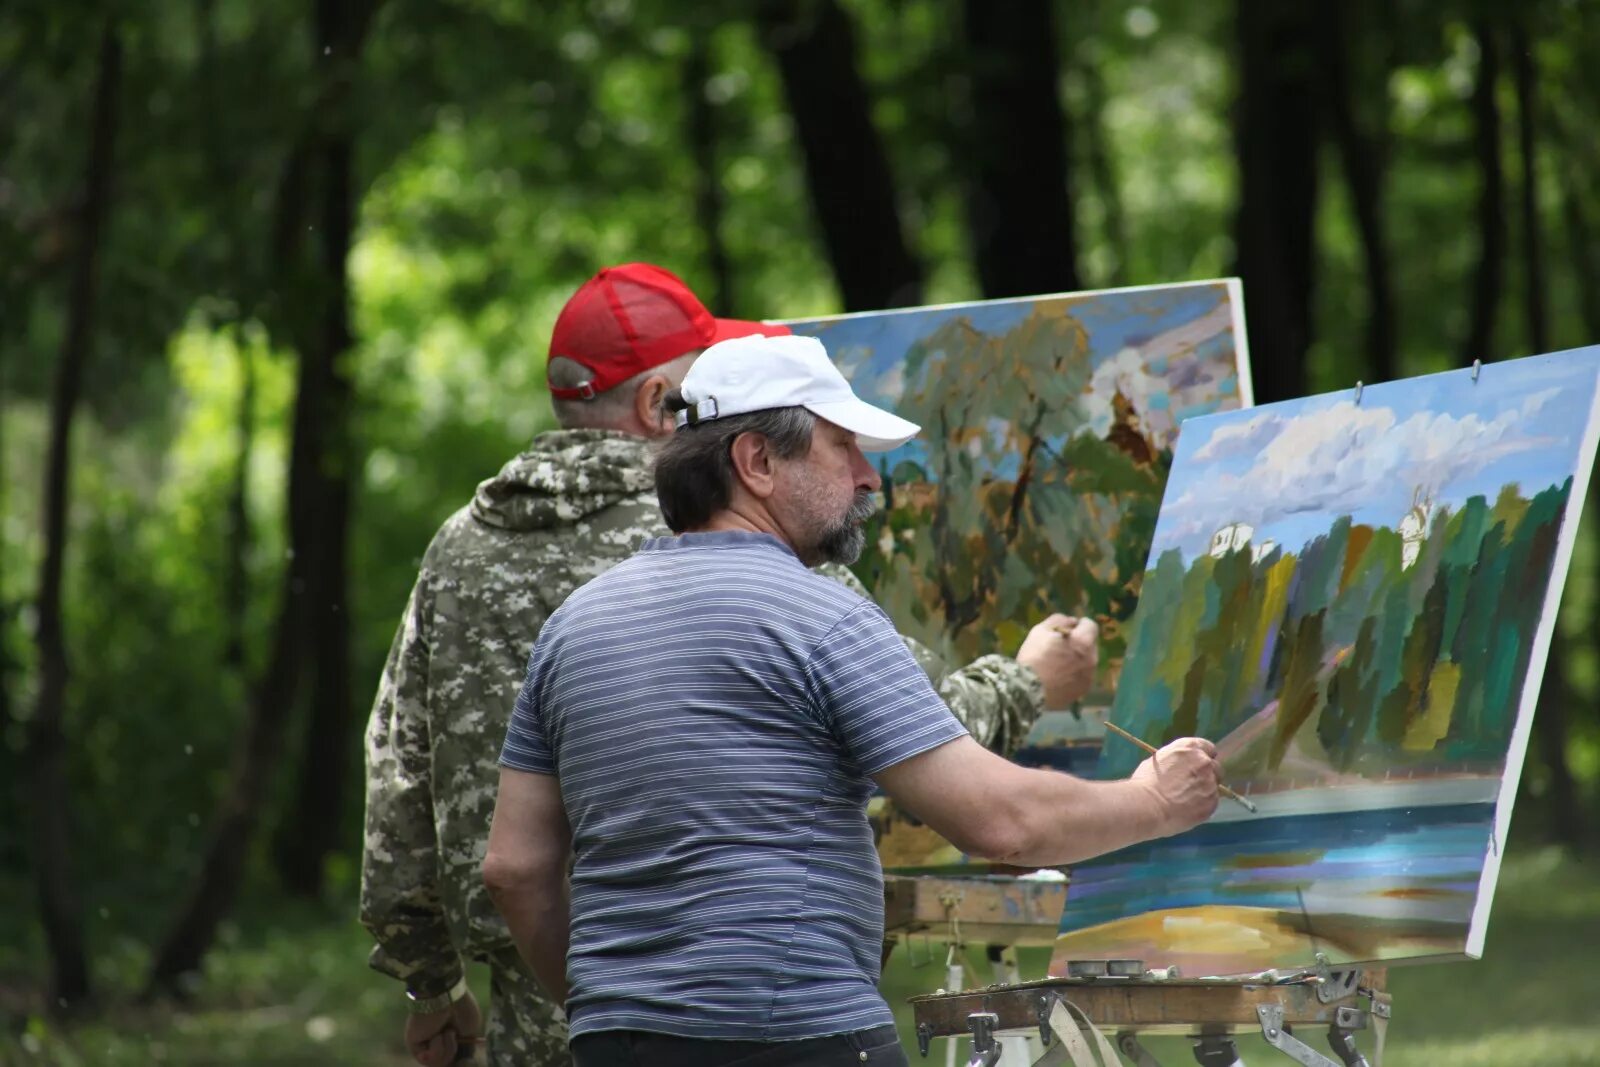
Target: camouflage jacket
570 507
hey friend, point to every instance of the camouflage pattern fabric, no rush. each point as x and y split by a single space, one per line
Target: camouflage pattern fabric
524 1026
576 503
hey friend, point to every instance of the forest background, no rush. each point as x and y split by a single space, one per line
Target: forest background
276 282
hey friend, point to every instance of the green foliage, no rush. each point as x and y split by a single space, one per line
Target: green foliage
505 152
1312 642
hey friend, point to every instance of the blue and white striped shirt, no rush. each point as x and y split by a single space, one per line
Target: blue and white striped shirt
713 710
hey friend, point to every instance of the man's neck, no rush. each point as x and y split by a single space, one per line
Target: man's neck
747 519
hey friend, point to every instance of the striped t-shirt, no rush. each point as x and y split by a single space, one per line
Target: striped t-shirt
713 711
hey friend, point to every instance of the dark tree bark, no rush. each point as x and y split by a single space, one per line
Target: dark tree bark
310 612
236 533
236 576
1489 277
1550 721
1524 77
60 906
1019 204
1276 139
702 134
311 830
1363 156
847 168
1581 250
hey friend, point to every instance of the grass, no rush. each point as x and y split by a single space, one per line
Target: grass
296 990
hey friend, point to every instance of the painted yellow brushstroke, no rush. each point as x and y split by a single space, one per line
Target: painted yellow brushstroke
1418 893
1273 598
1216 930
1434 722
1222 939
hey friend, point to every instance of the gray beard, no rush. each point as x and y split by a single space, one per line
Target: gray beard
843 541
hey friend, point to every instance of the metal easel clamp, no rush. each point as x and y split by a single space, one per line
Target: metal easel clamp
1047 1003
924 1038
1335 985
1272 1028
985 1049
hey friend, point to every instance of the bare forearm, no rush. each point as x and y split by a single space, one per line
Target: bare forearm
1063 819
538 917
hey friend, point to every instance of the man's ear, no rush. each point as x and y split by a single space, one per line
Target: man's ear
752 464
647 405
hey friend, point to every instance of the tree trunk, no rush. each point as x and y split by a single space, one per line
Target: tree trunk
60 906
1276 139
847 169
316 523
1019 205
1489 277
702 134
311 830
1363 157
1524 77
1550 721
1585 271
236 576
236 544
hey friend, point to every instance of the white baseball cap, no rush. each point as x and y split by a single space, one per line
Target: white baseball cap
746 374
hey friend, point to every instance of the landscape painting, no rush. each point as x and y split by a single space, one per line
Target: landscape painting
1047 432
1353 595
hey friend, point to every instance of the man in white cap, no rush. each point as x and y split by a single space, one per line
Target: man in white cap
700 728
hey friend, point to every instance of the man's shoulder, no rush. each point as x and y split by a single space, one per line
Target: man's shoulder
466 547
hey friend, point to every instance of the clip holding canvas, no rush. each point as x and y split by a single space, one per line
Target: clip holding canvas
1477 365
1359 387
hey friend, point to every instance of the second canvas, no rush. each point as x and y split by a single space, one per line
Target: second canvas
1047 432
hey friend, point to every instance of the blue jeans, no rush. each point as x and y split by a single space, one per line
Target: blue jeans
878 1047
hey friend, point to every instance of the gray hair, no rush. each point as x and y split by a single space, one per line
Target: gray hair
694 467
612 409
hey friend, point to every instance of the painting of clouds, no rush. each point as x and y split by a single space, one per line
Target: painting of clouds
1353 596
1047 431
1048 426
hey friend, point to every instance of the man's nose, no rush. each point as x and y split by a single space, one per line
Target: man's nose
866 474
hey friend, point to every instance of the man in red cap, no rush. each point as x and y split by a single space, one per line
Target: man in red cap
579 500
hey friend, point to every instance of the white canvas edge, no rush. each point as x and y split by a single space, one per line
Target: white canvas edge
1518 749
1241 344
1232 284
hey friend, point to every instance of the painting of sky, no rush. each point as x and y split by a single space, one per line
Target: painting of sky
1439 438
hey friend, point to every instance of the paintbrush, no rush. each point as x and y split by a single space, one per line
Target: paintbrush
1224 790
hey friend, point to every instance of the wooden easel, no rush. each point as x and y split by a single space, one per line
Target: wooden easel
1069 1015
1000 912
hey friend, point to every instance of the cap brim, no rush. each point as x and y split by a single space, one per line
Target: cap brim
876 430
728 329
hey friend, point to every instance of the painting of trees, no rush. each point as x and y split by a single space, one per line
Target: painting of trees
1047 431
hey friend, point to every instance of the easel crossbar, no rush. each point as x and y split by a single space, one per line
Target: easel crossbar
1204 1006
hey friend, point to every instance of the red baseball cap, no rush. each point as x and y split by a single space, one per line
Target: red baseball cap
632 317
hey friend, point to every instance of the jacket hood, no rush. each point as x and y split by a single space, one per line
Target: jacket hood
564 476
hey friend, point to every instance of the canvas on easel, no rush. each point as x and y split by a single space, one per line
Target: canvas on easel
1048 425
1353 595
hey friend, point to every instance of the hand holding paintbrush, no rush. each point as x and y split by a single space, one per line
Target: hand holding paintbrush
1151 750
